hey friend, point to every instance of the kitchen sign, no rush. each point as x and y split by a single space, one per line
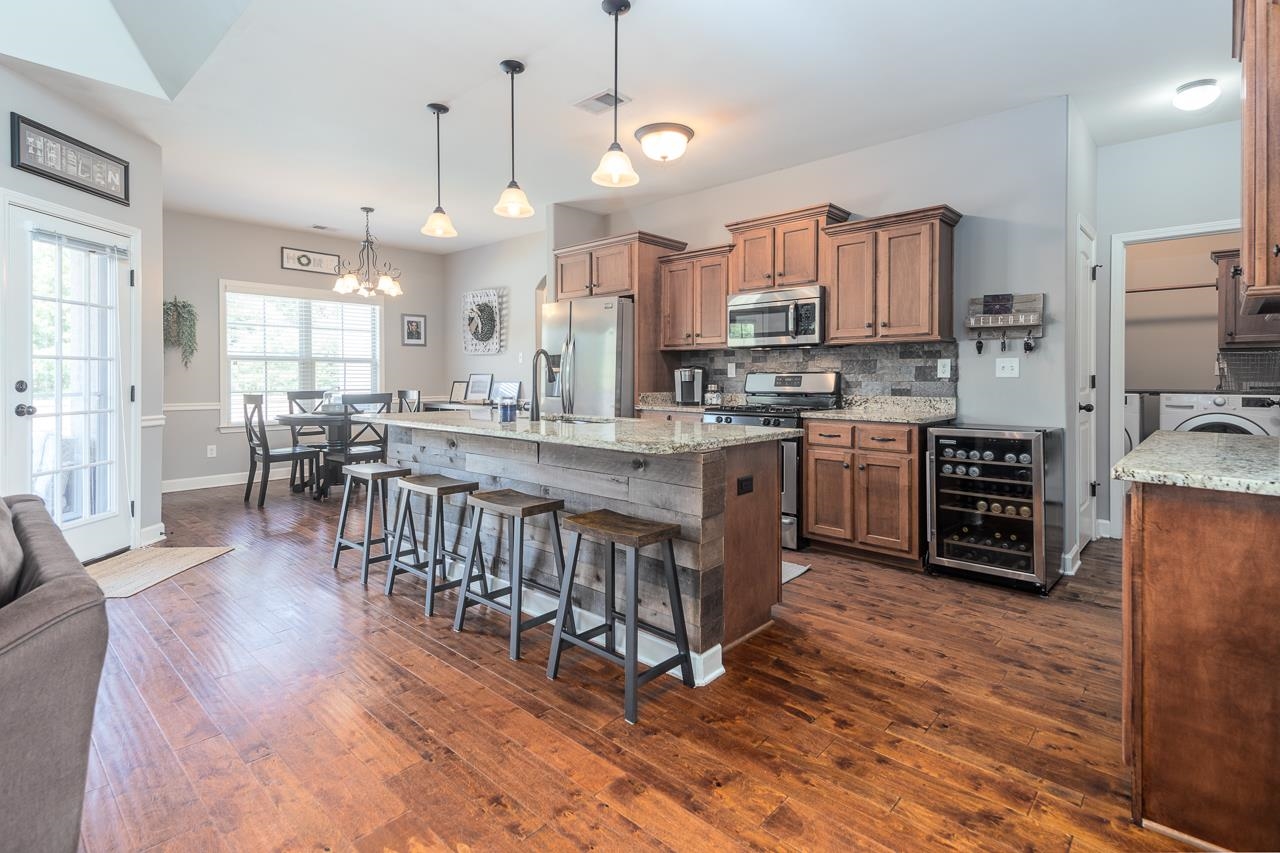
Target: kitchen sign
45 152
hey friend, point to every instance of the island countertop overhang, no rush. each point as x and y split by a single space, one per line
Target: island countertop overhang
625 435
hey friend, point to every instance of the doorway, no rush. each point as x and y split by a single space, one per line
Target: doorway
70 430
1086 394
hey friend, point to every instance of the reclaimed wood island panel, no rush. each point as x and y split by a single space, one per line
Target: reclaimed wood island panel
720 483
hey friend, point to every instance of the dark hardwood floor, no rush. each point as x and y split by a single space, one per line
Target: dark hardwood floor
262 701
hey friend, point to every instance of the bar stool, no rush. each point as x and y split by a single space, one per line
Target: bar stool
375 476
515 507
434 488
631 534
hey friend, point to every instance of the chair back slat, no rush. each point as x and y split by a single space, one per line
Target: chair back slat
255 424
367 404
410 401
304 403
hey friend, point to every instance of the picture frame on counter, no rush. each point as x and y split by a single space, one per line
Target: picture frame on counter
507 389
56 156
478 387
458 391
413 330
305 260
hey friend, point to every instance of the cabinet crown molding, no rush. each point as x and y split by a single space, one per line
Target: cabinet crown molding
693 254
632 237
833 213
947 214
1224 255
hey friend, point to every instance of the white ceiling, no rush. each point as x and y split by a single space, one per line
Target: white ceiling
308 109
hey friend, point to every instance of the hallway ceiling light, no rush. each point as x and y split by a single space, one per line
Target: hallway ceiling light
438 223
513 203
615 168
365 275
664 141
1196 95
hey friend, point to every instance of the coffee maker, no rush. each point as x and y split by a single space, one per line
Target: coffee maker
688 386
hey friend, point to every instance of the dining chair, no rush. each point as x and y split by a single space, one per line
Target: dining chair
303 403
365 442
255 428
410 401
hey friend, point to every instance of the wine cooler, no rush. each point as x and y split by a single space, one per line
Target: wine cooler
996 501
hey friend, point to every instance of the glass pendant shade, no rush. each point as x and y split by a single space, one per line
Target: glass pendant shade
513 203
664 141
439 225
346 284
384 284
615 169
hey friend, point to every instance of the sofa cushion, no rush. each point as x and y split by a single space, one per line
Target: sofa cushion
10 556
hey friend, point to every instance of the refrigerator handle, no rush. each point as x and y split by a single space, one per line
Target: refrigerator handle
567 393
564 375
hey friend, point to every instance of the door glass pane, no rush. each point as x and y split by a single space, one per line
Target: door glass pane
44 327
75 274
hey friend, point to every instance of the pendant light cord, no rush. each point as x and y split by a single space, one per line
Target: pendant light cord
512 75
615 78
437 158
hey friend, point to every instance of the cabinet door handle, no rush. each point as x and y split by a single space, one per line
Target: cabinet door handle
697 334
829 435
882 438
1275 251
768 275
862 466
846 465
871 325
884 324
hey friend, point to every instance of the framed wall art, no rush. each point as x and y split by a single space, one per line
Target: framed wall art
482 322
303 260
50 154
413 330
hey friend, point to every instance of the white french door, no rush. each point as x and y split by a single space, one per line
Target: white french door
66 351
1086 395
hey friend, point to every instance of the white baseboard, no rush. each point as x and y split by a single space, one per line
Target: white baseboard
151 534
707 666
1071 561
187 484
1105 531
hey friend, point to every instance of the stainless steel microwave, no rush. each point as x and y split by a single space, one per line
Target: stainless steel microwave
786 317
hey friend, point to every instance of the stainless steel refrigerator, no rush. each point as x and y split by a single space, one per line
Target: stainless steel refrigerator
592 347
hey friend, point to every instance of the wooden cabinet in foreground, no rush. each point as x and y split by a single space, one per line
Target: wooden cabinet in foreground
889 278
695 287
1237 330
1256 43
782 250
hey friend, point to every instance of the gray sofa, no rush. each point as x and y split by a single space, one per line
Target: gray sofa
53 637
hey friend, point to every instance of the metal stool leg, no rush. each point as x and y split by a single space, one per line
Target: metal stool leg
677 614
433 551
368 532
565 608
403 501
382 490
476 517
342 526
559 560
632 594
610 599
517 584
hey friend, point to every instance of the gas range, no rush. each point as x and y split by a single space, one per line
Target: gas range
757 415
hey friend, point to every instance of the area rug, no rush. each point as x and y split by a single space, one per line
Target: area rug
133 571
791 571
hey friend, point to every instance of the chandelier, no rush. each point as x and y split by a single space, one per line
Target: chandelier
365 276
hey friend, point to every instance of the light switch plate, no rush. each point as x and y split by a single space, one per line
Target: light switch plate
1007 368
944 368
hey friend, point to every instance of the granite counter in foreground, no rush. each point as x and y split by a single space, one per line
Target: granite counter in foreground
1205 460
625 435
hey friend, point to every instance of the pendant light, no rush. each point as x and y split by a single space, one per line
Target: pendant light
615 166
438 223
513 203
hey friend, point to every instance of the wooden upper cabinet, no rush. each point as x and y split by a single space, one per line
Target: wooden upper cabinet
885 505
828 493
695 290
573 275
782 250
677 305
1257 45
889 278
613 270
1237 330
851 287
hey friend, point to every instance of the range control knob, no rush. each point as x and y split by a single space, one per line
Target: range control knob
766 422
1219 401
719 419
728 420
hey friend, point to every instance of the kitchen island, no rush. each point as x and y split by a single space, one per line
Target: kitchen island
720 483
1201 645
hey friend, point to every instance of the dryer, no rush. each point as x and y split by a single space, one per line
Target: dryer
1241 414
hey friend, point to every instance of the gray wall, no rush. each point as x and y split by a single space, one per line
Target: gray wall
1163 181
20 95
200 250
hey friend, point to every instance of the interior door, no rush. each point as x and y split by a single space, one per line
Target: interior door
710 298
1086 309
66 351
905 281
754 263
677 305
852 285
796 253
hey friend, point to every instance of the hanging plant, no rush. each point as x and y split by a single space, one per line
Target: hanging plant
180 327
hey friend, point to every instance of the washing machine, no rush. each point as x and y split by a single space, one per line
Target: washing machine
1240 414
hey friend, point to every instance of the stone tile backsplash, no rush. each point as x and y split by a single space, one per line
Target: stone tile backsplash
898 370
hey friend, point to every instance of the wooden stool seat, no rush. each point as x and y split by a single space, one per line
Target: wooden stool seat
436 485
514 504
623 529
375 471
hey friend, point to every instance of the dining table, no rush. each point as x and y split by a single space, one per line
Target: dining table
337 427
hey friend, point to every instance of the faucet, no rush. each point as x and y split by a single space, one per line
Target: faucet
534 405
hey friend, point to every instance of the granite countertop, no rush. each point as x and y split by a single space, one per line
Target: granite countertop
625 435
669 407
1205 460
894 410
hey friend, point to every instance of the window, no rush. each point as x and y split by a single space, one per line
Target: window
280 339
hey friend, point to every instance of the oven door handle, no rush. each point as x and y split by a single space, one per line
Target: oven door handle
793 319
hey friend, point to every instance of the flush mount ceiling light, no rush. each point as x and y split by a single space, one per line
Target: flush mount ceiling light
1196 95
615 168
513 203
664 140
364 275
438 223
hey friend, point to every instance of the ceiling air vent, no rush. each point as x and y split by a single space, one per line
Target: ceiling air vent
602 101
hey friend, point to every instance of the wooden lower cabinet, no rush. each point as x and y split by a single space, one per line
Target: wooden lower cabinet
865 499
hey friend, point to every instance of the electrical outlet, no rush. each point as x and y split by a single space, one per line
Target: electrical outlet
520 358
1007 368
211 451
944 368
732 368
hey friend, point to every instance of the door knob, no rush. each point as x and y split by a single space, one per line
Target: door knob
1085 407
22 410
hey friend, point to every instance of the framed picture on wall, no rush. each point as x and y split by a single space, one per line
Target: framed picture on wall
478 386
50 154
458 392
303 260
413 330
